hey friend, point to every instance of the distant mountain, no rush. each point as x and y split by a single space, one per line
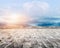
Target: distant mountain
47 21
48 24
45 24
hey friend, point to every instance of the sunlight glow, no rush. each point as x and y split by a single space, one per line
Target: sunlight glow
17 19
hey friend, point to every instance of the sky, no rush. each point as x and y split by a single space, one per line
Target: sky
38 11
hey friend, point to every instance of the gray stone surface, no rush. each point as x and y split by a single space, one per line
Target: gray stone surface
29 38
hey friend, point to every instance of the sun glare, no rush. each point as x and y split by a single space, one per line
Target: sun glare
17 19
13 19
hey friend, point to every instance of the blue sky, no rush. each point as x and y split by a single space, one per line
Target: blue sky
18 4
36 9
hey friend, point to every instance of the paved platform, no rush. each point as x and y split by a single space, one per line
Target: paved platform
30 38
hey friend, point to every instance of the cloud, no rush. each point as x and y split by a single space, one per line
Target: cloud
9 17
36 8
57 10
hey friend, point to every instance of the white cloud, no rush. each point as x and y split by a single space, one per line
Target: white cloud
57 10
36 8
32 9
